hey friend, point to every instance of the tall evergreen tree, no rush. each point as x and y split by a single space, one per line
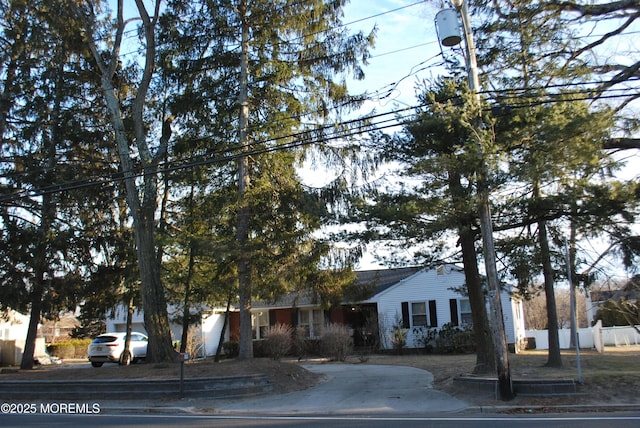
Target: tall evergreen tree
441 205
267 80
142 134
50 138
532 57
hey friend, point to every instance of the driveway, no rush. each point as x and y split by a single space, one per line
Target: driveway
354 389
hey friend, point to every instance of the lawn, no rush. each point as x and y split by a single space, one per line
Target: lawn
612 377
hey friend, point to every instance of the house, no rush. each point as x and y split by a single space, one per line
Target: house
431 298
415 298
204 336
59 329
13 334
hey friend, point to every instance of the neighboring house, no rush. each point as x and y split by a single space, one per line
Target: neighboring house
205 334
13 334
60 329
597 297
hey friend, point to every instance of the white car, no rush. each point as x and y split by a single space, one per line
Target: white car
109 348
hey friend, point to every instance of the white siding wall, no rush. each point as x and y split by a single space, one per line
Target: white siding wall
209 329
117 320
421 287
429 285
14 327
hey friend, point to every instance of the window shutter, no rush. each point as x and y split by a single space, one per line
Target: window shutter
272 317
453 305
294 317
405 314
433 316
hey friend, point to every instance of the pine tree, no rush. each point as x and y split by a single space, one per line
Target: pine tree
50 138
440 204
553 140
264 82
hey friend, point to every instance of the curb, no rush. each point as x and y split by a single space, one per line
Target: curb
522 387
570 408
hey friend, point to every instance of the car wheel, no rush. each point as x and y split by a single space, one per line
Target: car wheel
96 364
125 358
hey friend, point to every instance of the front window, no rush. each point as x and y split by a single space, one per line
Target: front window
311 320
260 321
465 312
419 314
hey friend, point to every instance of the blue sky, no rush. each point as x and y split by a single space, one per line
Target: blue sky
406 38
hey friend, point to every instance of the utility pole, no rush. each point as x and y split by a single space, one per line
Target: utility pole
496 321
242 232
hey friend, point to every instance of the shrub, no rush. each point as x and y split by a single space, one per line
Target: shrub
68 349
278 341
335 342
399 338
299 343
426 337
453 339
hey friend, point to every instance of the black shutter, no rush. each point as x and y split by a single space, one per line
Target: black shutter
433 316
453 305
294 317
272 317
405 314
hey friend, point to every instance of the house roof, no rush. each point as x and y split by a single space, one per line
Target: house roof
298 299
384 278
375 280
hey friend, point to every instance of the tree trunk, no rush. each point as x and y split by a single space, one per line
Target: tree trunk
48 215
27 361
127 337
224 329
485 357
242 233
141 201
554 358
154 303
186 313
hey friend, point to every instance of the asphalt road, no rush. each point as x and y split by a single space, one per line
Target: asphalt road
139 421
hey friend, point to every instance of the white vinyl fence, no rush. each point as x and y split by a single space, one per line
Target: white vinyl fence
589 338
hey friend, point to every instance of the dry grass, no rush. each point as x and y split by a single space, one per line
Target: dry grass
612 377
609 378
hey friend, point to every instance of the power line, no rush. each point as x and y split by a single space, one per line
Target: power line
255 148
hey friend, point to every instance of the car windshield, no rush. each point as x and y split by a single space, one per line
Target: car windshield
105 339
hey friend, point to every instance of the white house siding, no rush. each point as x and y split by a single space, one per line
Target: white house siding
435 285
209 329
13 335
116 321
